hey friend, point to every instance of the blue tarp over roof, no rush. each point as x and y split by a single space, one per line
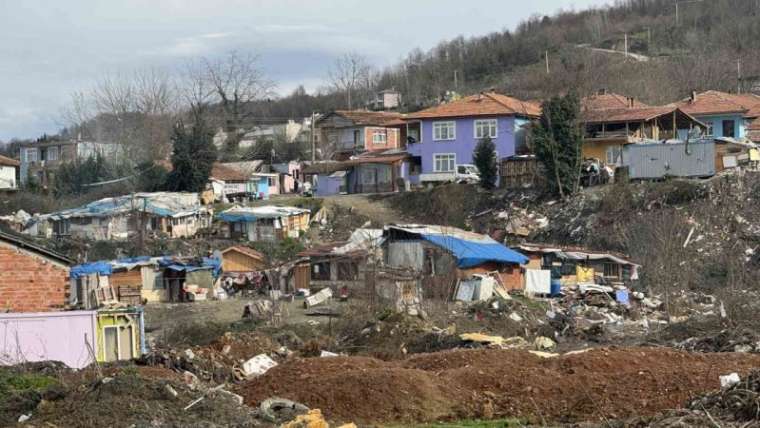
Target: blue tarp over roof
471 253
236 217
101 267
214 264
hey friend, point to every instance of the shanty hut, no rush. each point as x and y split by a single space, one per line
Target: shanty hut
267 223
443 255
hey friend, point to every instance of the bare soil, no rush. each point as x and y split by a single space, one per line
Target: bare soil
600 384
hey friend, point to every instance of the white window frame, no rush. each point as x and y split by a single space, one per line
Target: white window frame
450 127
491 124
611 150
379 133
30 150
453 158
710 131
50 151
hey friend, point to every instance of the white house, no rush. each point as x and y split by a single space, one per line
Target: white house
8 173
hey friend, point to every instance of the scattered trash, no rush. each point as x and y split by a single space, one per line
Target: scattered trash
171 390
279 410
327 354
24 418
729 380
515 317
319 297
544 343
258 365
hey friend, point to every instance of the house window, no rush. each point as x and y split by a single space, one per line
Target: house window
347 271
611 270
443 131
444 162
31 155
270 180
614 155
728 128
320 271
52 153
485 128
379 137
709 131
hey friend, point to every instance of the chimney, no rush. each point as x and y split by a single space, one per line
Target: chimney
631 102
693 96
602 91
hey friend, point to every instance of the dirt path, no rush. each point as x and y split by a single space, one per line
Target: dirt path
603 383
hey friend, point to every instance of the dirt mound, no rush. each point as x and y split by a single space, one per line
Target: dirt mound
604 383
338 384
132 397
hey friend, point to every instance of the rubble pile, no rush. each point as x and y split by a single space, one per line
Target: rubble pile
140 396
221 361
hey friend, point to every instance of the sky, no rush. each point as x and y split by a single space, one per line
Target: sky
50 49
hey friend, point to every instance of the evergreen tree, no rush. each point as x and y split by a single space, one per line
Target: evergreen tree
557 141
193 156
485 160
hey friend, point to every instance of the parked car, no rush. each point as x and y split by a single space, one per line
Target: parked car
463 173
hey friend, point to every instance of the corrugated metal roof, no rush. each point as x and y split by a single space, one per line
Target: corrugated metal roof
162 204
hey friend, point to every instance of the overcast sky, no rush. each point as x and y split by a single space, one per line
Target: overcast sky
48 49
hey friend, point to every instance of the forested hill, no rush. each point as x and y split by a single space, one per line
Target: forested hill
714 44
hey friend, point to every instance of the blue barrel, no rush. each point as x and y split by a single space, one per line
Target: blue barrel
556 287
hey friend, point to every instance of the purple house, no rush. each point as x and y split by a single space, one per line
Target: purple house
442 137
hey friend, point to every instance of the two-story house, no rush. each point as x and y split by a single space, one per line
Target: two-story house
613 120
444 136
343 133
726 115
8 173
40 159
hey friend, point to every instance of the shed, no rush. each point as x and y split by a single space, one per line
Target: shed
239 258
670 159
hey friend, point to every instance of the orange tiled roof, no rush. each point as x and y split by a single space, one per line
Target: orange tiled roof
8 161
485 104
610 101
626 114
716 102
370 118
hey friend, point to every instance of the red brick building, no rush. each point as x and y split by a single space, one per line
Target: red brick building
32 278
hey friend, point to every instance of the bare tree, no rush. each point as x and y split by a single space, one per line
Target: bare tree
233 81
350 74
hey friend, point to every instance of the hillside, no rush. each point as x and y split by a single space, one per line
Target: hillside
698 52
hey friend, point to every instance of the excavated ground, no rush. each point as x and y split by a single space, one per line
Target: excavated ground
596 385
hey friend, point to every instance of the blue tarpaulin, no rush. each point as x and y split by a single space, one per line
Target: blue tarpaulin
101 267
236 217
473 253
208 263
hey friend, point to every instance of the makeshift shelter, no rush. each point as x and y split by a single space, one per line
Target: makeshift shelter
265 223
187 281
178 215
341 265
572 265
443 255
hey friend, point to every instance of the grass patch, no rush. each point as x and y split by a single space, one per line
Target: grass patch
14 382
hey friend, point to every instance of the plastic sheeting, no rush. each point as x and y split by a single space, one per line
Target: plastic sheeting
101 267
537 281
472 253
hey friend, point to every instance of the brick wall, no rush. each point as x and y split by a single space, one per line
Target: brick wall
30 283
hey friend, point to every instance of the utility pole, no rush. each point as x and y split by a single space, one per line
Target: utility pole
738 75
625 43
456 82
546 56
313 140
